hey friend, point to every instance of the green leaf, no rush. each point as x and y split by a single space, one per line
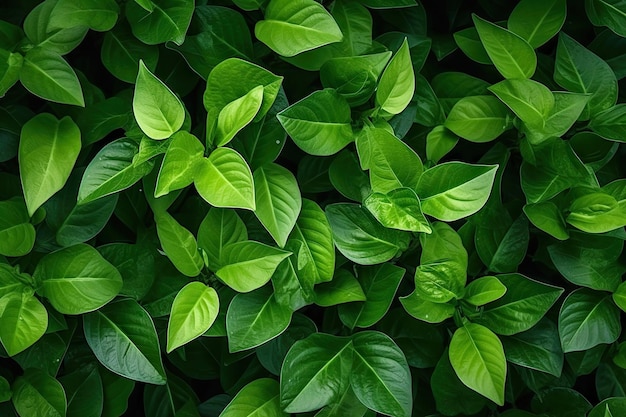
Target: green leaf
478 118
112 169
83 389
237 114
587 319
38 29
454 190
450 87
380 377
24 321
47 75
77 279
319 123
537 21
347 177
123 338
290 27
277 200
224 180
425 310
439 142
178 166
567 109
484 290
359 236
619 296
5 390
48 151
379 284
581 71
531 101
121 53
248 265
254 318
99 15
469 42
179 244
546 216
512 56
526 301
501 246
219 228
315 372
193 312
477 356
596 212
10 66
610 123
167 21
36 394
17 234
399 209
344 288
610 13
158 111
259 397
397 82
347 405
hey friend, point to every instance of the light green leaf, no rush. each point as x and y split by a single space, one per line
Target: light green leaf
454 190
179 244
254 318
193 312
484 290
315 372
439 142
37 394
546 216
359 236
479 118
17 234
158 111
319 123
179 164
47 75
512 56
48 151
219 228
344 288
380 376
278 201
260 397
99 15
537 21
397 83
294 26
531 101
587 319
167 21
38 30
477 356
248 265
399 209
77 279
24 321
237 114
425 310
224 180
567 109
596 212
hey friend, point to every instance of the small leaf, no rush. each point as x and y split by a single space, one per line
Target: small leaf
179 164
397 83
237 114
158 111
17 234
484 290
425 310
546 216
478 118
219 228
179 245
399 209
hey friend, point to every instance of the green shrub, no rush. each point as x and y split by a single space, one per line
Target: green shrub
288 207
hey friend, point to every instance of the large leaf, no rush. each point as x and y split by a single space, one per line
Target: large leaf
319 123
587 319
254 318
36 394
224 180
315 372
77 279
24 320
479 118
294 26
123 338
397 83
610 13
248 265
477 356
38 29
531 101
537 21
167 21
359 236
380 377
158 111
260 397
277 200
193 312
179 245
454 190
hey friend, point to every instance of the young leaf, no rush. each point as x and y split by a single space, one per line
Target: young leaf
477 356
380 377
596 212
479 118
319 123
512 56
179 164
399 209
99 15
193 312
537 21
567 109
484 290
425 310
158 111
248 265
546 216
294 26
24 321
397 83
454 190
531 101
254 318
259 397
224 180
37 394
48 150
179 244
167 21
277 201
77 279
219 228
123 338
237 114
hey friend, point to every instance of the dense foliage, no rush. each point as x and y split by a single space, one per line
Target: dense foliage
288 207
